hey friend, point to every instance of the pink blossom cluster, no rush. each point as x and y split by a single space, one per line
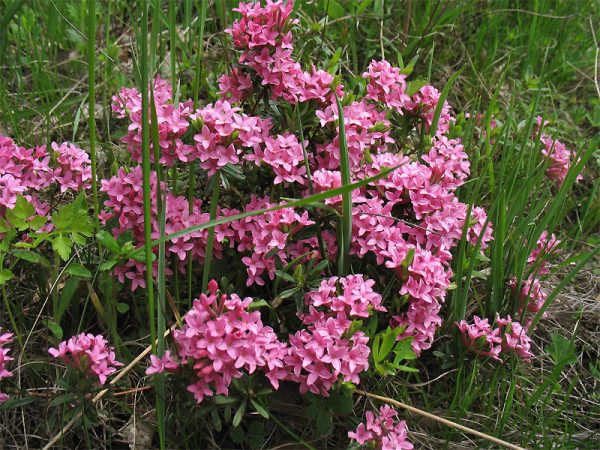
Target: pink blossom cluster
171 120
558 156
5 338
225 133
432 225
220 338
383 431
266 236
424 104
367 131
285 155
531 293
387 85
125 203
90 355
27 172
560 159
356 299
264 38
507 336
324 352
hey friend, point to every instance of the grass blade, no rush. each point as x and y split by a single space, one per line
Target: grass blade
346 228
214 203
291 204
91 49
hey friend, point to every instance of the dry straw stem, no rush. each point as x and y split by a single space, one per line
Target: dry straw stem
439 419
103 392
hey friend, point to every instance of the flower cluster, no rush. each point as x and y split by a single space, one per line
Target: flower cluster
171 122
220 338
507 337
125 204
90 355
387 85
225 133
263 35
285 156
267 236
557 155
5 338
382 431
327 350
357 297
27 172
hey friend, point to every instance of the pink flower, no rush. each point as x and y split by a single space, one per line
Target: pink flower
166 363
74 170
89 354
559 157
357 298
220 338
386 85
5 338
507 337
382 431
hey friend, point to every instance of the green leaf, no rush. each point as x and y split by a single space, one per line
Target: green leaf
562 350
62 246
345 231
239 415
108 241
335 10
5 226
404 368
122 308
55 329
5 275
260 408
258 304
415 85
62 399
404 350
290 292
107 265
66 295
78 270
37 222
23 209
223 400
15 403
29 256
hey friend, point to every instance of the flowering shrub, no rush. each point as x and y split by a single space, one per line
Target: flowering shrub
408 221
382 431
5 338
90 355
273 133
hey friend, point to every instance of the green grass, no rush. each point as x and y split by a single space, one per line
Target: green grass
508 60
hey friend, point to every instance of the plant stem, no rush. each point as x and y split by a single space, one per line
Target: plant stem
91 49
